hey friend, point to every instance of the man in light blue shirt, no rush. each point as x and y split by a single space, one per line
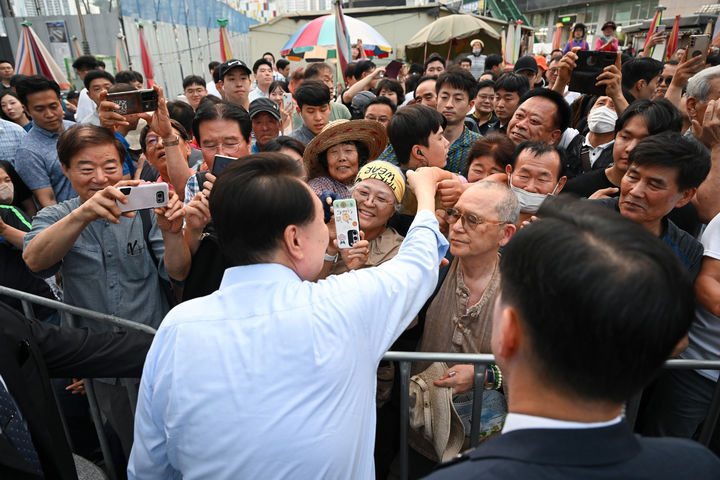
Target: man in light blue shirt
274 376
37 158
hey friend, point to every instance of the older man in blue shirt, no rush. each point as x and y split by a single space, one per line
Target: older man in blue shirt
273 376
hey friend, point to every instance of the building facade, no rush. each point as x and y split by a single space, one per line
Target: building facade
545 15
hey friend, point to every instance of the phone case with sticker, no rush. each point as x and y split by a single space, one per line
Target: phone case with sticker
347 227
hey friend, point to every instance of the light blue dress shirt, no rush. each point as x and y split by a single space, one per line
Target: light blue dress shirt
274 377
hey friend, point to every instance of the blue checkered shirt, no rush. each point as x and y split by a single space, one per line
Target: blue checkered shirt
458 152
11 134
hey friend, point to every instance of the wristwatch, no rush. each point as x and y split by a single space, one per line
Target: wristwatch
172 143
331 258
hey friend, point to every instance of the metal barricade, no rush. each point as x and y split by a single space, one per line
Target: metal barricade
404 359
71 313
479 360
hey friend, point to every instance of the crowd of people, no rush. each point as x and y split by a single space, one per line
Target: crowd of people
575 237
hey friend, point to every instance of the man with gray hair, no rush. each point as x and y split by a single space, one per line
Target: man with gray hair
703 92
459 317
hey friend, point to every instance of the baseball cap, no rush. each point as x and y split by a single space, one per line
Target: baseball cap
526 63
264 105
225 67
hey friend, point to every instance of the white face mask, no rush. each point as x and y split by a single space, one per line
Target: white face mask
477 51
602 120
529 202
7 192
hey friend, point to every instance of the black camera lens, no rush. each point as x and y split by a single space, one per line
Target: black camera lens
125 190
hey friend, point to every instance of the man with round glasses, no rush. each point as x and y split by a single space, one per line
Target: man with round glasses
459 316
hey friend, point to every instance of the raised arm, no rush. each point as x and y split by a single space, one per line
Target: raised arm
52 243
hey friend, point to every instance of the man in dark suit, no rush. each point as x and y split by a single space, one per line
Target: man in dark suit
32 440
591 306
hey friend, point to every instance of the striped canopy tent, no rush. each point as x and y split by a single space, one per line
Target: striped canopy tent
321 32
34 59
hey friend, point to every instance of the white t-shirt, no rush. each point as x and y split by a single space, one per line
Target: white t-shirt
705 330
85 106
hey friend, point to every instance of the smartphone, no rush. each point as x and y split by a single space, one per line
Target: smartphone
347 227
660 28
590 64
135 101
220 162
147 195
327 214
287 99
393 68
698 46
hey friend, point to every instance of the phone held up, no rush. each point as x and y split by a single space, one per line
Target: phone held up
698 46
136 101
146 195
347 227
220 162
590 64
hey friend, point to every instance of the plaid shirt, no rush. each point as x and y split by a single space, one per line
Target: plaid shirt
11 134
320 185
458 152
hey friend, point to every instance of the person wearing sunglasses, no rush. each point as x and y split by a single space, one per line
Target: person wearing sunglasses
669 69
459 316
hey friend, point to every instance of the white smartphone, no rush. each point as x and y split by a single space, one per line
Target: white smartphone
287 99
147 195
660 28
347 227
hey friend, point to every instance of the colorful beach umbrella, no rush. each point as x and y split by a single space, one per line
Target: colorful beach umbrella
321 31
34 59
145 57
225 49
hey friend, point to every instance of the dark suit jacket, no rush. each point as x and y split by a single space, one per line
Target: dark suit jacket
30 353
599 453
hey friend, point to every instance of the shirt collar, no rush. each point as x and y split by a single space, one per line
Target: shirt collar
519 421
586 143
260 272
48 133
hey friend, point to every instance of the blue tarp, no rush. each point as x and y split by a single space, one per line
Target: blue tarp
194 13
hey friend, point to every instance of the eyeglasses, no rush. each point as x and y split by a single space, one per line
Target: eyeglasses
667 80
227 147
153 141
363 195
470 221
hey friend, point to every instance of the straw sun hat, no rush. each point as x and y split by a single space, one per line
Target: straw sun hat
369 132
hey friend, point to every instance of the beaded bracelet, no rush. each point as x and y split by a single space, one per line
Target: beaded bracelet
498 377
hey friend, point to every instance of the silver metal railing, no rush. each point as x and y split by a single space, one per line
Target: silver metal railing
404 359
71 313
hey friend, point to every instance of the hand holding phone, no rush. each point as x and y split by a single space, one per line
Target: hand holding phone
146 195
220 162
347 227
135 101
590 64
698 46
